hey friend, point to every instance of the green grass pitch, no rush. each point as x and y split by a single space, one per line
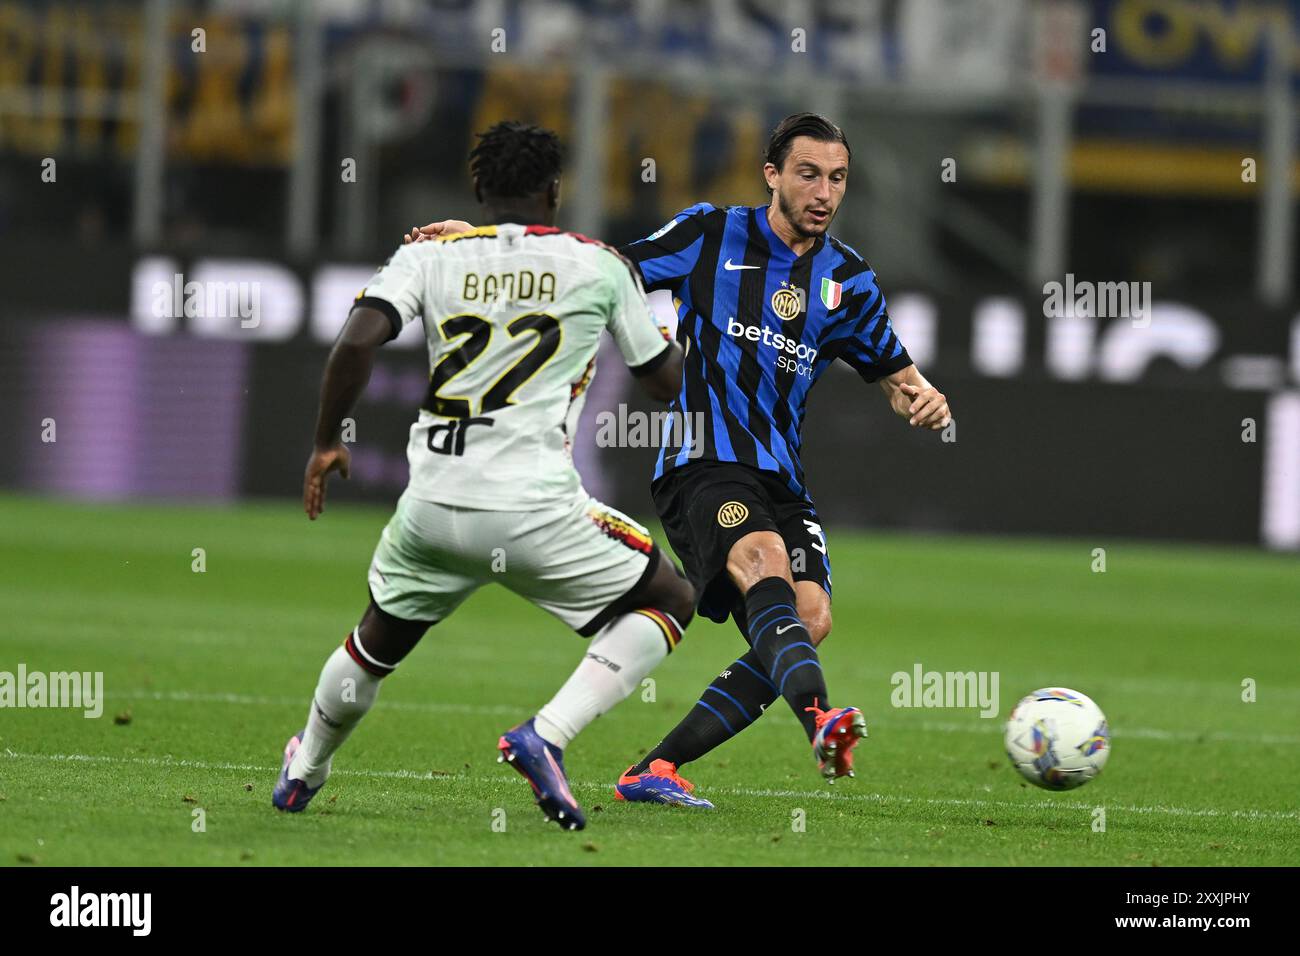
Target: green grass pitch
215 670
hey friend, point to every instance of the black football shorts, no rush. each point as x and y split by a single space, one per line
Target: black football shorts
707 506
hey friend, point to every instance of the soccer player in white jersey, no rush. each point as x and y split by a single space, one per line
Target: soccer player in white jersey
513 313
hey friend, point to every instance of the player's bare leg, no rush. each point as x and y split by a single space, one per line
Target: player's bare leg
347 688
759 567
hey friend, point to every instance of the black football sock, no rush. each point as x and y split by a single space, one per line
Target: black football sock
781 642
735 699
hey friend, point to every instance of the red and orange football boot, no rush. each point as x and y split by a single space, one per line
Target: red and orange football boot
838 732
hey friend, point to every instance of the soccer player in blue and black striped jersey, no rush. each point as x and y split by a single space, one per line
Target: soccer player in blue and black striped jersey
766 300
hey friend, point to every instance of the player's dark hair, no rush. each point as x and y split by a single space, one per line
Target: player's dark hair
813 125
514 160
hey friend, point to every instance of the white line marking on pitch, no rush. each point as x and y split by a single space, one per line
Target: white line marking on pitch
201 697
735 791
990 727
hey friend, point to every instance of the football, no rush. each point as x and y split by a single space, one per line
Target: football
1057 738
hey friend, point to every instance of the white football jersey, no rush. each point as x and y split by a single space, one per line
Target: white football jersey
513 316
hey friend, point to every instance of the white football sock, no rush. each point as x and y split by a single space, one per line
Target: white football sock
345 692
617 660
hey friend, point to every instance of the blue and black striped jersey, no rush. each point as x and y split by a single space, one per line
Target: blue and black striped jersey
759 326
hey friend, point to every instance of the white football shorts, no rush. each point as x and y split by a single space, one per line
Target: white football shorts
573 560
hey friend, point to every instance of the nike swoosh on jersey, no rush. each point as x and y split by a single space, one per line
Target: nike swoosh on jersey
732 268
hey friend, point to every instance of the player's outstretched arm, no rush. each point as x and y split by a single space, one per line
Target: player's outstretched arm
346 373
914 398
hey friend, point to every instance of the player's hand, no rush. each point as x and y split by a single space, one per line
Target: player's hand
322 461
448 227
924 407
